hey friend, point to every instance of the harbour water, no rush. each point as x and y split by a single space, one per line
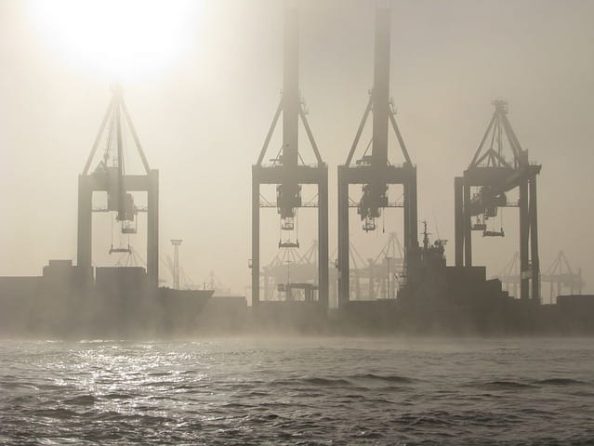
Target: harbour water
329 391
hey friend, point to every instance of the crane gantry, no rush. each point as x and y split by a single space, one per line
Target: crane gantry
109 176
482 191
374 171
287 170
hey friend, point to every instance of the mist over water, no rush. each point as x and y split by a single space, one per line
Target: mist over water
298 391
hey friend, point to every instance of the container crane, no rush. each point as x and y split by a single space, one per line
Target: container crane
481 193
374 171
287 170
109 176
560 275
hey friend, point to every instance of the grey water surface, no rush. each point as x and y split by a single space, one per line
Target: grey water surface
334 391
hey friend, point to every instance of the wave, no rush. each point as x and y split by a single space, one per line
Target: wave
82 400
505 385
314 380
58 413
118 396
511 385
560 381
326 381
386 378
10 385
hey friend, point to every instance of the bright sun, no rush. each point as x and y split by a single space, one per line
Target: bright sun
119 38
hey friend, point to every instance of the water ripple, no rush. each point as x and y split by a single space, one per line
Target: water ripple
309 392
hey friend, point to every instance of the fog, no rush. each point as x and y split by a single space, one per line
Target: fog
202 118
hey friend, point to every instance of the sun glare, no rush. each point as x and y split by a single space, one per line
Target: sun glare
119 38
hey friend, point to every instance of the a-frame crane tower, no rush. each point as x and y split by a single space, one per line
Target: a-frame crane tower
375 171
287 171
481 192
108 175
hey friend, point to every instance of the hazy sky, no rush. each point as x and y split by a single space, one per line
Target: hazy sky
203 113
